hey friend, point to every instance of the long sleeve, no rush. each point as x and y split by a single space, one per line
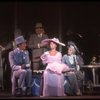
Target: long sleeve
42 45
80 61
31 43
12 62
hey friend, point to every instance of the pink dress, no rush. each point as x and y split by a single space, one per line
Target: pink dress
53 76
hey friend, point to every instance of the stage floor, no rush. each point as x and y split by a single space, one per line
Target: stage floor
7 95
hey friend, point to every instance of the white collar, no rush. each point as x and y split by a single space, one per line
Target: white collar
20 50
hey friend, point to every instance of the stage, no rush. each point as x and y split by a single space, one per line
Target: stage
6 95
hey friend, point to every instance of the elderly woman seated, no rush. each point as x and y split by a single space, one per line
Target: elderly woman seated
73 79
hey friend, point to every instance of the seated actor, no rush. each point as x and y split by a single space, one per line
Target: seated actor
20 64
75 78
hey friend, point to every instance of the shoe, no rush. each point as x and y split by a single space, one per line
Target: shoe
19 92
28 91
78 93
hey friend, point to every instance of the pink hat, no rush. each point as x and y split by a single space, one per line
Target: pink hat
46 41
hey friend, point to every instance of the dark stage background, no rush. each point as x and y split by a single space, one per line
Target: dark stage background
77 21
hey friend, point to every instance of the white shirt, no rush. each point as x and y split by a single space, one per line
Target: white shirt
71 59
40 35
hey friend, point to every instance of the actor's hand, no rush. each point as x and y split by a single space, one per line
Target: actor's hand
23 66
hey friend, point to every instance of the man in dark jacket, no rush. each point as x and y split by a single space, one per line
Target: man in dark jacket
36 46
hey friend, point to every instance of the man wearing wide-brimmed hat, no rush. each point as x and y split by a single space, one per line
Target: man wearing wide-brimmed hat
20 64
36 46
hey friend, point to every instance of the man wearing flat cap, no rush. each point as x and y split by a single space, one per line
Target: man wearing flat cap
20 64
36 46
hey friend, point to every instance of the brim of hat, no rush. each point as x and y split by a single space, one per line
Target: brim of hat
39 27
62 44
21 42
74 45
46 41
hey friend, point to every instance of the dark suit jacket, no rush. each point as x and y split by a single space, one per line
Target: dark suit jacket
33 45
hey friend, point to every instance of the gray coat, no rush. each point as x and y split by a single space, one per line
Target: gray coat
16 57
74 80
79 59
20 64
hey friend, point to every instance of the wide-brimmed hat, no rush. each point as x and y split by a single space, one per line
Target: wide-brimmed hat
46 41
71 44
19 40
39 25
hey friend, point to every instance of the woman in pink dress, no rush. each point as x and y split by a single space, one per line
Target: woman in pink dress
53 83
